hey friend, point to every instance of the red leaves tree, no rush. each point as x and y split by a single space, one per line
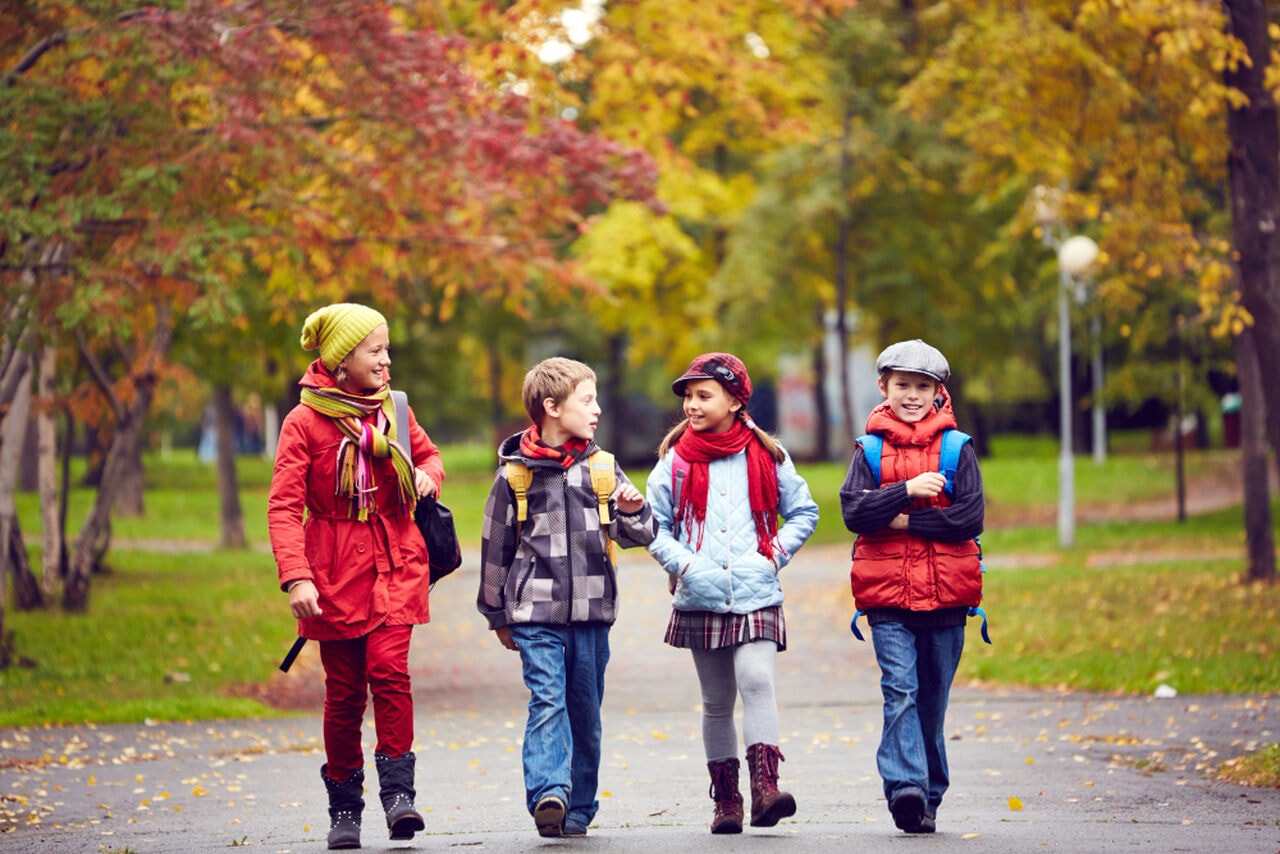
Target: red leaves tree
167 169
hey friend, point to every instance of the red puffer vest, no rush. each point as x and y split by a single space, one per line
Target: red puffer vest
892 568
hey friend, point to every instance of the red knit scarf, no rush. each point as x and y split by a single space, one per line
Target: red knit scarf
532 446
700 448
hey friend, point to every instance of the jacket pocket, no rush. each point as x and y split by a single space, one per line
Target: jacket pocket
877 575
704 586
959 573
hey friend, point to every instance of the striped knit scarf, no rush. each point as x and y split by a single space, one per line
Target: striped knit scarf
362 442
532 446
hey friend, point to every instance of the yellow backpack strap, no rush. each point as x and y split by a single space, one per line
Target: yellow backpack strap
603 482
519 477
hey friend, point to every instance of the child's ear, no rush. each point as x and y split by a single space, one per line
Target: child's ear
550 407
884 390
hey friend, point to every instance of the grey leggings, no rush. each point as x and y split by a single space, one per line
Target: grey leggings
722 673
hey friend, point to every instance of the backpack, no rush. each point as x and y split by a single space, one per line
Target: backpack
948 462
434 520
603 482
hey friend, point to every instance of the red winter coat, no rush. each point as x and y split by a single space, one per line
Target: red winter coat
895 569
367 573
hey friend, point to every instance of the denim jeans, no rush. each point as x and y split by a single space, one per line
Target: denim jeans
564 672
916 669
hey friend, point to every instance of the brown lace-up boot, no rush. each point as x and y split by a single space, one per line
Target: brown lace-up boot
728 800
768 805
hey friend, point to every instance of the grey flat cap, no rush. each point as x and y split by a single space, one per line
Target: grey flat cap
914 356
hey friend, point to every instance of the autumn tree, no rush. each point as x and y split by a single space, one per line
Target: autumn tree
162 163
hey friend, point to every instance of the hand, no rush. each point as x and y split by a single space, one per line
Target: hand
926 485
899 522
304 600
425 485
505 638
628 498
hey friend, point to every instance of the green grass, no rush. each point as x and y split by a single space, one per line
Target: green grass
1193 625
165 636
170 635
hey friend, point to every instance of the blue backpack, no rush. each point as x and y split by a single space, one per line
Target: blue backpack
948 462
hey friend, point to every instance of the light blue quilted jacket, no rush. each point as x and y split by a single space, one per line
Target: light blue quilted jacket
728 573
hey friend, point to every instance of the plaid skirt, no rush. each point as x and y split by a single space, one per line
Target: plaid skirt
709 630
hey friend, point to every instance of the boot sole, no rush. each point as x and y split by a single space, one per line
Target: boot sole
406 826
781 808
728 826
548 816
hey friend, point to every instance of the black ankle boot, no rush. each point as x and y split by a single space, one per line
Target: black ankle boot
346 803
395 777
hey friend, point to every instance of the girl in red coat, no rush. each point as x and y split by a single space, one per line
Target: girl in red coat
350 556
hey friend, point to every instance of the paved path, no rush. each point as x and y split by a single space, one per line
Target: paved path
1037 771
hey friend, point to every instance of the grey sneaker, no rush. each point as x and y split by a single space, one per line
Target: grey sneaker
548 816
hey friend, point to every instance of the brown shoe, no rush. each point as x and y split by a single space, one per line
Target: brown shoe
768 805
728 800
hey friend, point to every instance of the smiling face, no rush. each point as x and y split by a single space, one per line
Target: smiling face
910 396
366 366
709 407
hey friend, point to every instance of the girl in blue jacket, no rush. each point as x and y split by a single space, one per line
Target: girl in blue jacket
718 490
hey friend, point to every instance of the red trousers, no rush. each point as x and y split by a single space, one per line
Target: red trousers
377 663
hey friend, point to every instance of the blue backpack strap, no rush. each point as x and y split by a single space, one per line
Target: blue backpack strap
871 448
978 612
949 459
853 625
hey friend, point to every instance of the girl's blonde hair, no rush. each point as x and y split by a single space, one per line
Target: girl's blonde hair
770 444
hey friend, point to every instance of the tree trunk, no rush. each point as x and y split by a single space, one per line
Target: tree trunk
47 471
1254 164
843 235
95 536
129 491
26 588
1259 538
821 410
13 427
228 485
13 550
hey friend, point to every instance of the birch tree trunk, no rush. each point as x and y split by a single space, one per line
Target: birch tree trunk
47 476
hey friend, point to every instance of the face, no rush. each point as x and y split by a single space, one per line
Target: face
368 365
709 407
576 417
910 396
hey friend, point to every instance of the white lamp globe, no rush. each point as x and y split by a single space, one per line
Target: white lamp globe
1077 254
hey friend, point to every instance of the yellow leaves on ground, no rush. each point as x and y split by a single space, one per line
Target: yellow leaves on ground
1015 804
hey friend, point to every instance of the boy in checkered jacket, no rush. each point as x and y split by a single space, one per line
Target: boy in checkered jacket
549 588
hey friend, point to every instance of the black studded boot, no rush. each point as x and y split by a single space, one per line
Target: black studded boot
395 776
346 804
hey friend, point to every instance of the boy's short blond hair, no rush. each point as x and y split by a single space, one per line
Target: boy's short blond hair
554 378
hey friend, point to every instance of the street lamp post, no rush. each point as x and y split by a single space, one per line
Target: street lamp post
1075 256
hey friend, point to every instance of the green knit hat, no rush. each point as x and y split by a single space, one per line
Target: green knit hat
337 329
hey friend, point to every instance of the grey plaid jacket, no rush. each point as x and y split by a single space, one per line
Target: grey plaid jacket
558 570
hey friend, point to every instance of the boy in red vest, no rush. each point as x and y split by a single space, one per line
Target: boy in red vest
916 571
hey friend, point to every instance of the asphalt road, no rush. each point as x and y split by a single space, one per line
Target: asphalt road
1040 771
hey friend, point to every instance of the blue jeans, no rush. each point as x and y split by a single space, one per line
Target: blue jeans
916 669
564 672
